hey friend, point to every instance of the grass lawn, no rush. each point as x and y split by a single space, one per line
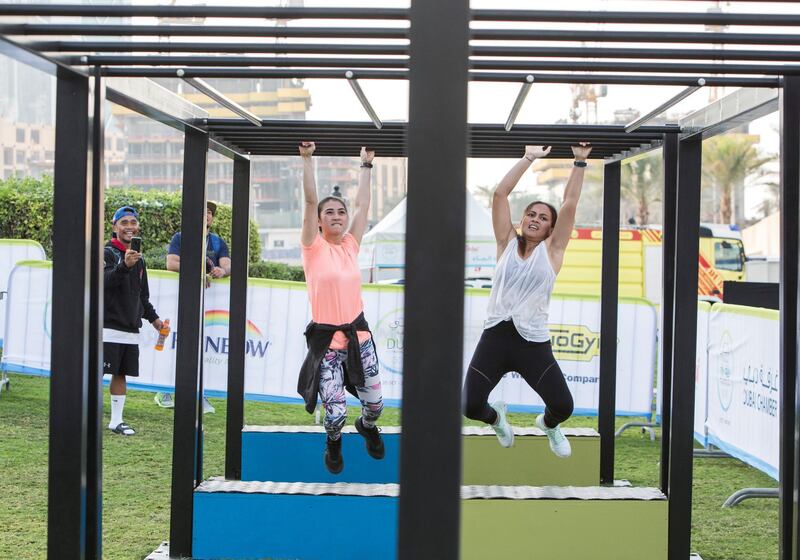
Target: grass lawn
137 472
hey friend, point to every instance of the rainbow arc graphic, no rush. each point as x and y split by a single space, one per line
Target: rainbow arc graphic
221 318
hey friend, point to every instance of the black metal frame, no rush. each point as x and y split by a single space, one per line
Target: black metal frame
789 315
187 443
429 512
238 318
430 459
94 392
684 345
609 299
67 485
670 157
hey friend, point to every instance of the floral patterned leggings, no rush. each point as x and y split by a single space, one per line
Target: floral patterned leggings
332 391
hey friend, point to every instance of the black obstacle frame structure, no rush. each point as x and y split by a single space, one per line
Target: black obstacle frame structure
426 501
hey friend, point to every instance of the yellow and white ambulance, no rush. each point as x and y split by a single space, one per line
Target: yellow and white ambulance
721 258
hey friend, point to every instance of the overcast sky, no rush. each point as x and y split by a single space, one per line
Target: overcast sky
546 103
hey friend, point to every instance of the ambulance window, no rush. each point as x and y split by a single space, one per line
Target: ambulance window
728 255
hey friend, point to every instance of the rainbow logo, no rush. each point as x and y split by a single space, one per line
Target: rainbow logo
221 318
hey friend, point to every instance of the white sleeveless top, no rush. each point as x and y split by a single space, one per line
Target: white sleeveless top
521 292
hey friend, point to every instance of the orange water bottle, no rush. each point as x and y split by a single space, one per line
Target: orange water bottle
162 335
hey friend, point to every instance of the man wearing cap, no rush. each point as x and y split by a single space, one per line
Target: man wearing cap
126 301
218 265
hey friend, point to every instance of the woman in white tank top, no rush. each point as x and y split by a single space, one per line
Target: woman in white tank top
516 335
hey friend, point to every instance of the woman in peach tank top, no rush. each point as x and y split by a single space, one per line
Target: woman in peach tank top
341 352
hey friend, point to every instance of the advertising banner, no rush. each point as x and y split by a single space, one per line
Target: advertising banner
744 381
277 314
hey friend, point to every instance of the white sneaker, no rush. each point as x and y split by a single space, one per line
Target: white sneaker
207 408
164 400
504 431
559 444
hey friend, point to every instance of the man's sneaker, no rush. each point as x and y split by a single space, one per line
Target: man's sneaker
559 444
333 455
372 436
164 400
207 408
504 431
123 429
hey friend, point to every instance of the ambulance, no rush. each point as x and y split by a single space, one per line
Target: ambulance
721 258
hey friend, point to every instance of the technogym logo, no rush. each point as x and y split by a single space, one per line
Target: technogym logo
216 323
574 342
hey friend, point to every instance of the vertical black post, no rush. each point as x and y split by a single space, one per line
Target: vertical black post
191 285
687 241
790 203
430 459
670 156
66 511
94 395
609 298
240 240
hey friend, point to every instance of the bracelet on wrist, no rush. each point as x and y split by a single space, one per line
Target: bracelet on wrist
366 165
530 159
580 163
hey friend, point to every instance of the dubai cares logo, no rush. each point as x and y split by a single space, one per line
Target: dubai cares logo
216 323
725 377
389 341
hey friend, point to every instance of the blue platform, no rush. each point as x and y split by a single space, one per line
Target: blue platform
295 454
237 520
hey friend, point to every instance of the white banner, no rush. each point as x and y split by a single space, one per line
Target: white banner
700 375
744 389
277 316
13 251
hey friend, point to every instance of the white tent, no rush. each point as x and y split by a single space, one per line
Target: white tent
383 248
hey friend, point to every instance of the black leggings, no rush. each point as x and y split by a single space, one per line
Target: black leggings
501 349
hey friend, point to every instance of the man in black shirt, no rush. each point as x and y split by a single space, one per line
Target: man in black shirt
126 301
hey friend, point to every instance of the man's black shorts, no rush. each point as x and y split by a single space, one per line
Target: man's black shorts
121 359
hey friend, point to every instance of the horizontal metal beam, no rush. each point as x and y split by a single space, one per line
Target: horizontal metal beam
239 61
615 36
260 12
605 36
217 47
108 30
402 63
682 18
399 50
548 78
613 66
256 12
218 123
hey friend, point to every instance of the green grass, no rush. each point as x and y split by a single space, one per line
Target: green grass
137 473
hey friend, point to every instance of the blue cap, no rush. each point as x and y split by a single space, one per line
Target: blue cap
124 211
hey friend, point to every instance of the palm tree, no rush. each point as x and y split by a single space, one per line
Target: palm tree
642 184
728 161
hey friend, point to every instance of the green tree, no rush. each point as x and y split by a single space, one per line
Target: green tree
26 212
642 184
729 161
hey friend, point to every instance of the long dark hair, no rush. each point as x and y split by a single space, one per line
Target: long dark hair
553 212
